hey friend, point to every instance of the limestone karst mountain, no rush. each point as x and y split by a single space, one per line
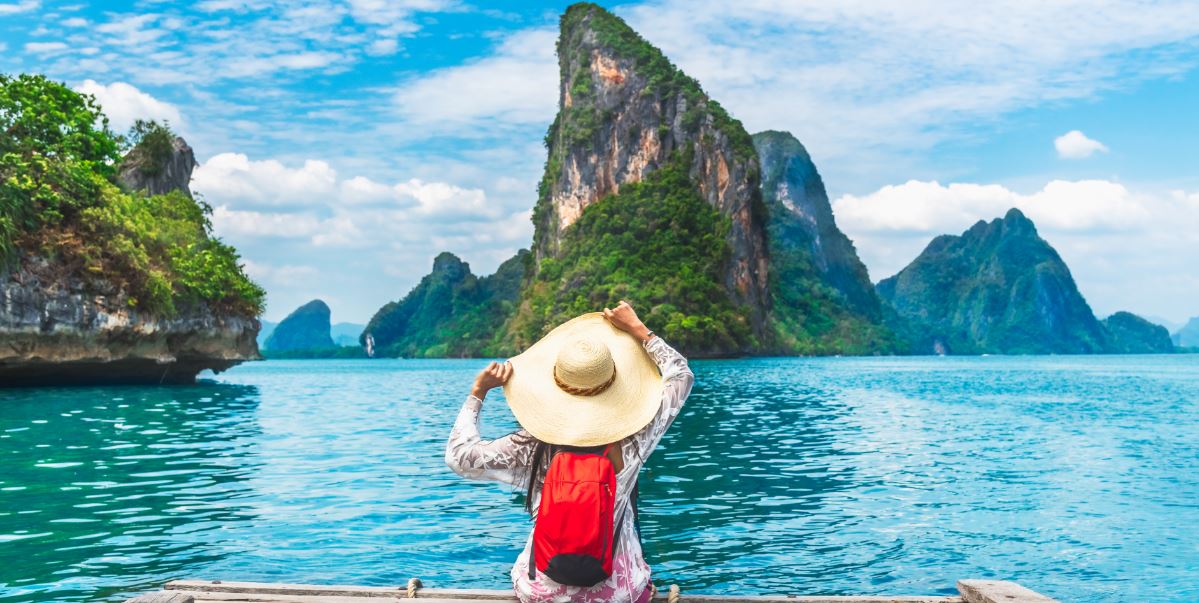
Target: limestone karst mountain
306 328
822 300
1128 333
997 288
451 312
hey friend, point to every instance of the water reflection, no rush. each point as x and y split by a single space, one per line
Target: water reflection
108 490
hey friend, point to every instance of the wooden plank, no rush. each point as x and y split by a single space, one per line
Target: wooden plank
686 598
226 597
266 588
314 593
250 598
163 597
212 597
999 591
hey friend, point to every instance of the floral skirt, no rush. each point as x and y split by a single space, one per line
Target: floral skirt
629 583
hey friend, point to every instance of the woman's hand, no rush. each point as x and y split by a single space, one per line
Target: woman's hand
493 376
624 318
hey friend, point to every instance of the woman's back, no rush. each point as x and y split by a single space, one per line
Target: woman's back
520 459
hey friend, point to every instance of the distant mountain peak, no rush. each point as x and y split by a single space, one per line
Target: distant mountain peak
306 328
1132 334
997 288
446 260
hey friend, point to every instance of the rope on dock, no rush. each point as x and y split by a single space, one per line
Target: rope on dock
673 597
413 584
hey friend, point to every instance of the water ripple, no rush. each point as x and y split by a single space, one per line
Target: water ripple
1075 476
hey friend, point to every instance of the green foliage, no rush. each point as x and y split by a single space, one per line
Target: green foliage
997 288
1128 333
160 249
658 245
57 199
152 145
822 299
811 318
55 155
451 312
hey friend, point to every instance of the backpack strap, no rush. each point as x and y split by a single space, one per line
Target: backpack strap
532 560
633 501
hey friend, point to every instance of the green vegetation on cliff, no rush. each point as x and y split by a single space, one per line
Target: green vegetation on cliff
997 288
451 312
822 299
58 200
1128 333
657 245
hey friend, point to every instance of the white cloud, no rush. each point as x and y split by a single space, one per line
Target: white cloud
863 83
266 198
361 190
517 85
1118 243
930 207
45 47
246 224
285 275
383 47
75 22
1075 145
12 8
441 200
131 30
233 176
124 103
257 65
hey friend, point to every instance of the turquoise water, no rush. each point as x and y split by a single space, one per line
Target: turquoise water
1077 476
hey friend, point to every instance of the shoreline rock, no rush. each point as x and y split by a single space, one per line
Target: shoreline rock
59 332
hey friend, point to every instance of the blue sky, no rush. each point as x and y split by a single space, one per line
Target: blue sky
345 143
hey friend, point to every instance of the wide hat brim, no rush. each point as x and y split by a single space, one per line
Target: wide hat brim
557 417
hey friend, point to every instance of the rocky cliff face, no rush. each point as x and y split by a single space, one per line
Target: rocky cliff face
306 328
1128 333
626 111
158 176
57 330
57 327
451 312
997 288
823 300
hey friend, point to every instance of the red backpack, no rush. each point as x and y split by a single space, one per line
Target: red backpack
575 537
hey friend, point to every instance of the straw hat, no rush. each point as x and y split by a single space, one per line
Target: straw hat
586 383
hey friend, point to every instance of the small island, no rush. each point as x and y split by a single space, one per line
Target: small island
110 271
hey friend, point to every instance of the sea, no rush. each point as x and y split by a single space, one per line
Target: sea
1076 476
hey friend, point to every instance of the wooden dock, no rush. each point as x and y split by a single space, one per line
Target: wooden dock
217 591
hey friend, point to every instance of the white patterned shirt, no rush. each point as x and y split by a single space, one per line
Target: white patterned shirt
507 460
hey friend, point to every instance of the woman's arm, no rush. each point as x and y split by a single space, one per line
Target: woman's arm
677 377
503 460
677 380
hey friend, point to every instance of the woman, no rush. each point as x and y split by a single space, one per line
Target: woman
602 383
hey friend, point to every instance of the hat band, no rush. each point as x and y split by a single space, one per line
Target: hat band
583 391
